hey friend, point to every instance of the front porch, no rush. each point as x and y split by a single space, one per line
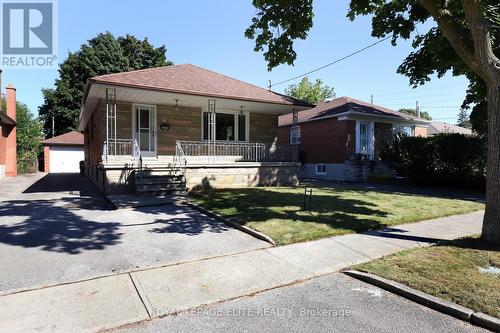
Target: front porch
204 165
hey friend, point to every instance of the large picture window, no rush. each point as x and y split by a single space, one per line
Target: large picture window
228 126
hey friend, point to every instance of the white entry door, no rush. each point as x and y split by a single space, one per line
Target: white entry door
145 129
365 138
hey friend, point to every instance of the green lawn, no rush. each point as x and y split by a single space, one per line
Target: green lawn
449 271
277 211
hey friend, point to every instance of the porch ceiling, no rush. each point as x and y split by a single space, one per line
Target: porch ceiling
97 92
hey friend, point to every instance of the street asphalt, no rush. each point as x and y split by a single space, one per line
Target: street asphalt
57 228
332 303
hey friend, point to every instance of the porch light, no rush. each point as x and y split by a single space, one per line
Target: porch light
241 110
164 126
176 108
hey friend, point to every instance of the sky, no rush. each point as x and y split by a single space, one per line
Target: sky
210 34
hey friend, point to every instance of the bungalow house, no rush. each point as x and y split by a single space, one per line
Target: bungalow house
341 139
156 129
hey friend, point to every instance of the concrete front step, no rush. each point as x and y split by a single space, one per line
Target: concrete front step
160 182
179 193
153 181
162 187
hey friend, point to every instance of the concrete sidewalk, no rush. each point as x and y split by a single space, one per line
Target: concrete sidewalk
116 300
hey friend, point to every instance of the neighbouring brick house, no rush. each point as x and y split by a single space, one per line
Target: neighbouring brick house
142 128
338 139
8 146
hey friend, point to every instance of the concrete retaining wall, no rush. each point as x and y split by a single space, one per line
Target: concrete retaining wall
233 175
334 171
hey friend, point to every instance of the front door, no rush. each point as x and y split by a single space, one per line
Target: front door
145 129
364 138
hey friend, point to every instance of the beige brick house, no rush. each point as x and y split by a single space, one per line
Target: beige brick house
183 122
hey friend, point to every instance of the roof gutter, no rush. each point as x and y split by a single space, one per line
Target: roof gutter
349 113
195 93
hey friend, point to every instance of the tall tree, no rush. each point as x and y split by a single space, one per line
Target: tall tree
413 112
465 40
103 54
310 92
29 132
463 118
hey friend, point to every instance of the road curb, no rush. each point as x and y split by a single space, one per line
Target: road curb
230 223
483 320
438 304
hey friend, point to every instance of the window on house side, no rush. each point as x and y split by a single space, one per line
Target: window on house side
321 169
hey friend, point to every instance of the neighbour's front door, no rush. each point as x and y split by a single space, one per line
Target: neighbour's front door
145 129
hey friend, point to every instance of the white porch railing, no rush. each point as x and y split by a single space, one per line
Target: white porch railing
237 151
352 155
122 147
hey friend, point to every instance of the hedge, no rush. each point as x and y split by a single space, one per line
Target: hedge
445 159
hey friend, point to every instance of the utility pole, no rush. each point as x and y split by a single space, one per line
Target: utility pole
371 99
269 85
334 94
417 109
53 126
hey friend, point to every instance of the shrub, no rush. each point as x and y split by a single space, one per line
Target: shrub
445 159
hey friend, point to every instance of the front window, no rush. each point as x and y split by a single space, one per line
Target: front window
228 126
403 130
321 169
295 135
224 127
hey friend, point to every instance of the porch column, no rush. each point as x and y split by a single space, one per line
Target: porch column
211 128
110 120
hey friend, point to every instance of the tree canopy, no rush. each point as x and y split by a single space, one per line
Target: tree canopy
278 24
413 112
465 41
463 118
310 92
103 54
28 134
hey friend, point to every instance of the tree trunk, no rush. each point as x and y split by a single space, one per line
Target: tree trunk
491 222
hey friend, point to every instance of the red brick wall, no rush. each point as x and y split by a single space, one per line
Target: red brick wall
11 145
323 141
93 139
421 131
46 159
3 139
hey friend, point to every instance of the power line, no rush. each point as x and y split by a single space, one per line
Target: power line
441 107
333 62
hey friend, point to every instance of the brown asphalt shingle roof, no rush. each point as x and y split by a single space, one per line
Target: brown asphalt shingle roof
194 80
73 138
342 105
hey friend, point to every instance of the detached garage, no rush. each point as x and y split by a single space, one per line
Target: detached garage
63 153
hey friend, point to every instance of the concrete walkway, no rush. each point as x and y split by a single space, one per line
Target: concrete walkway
125 298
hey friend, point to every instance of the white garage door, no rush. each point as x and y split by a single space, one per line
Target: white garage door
65 159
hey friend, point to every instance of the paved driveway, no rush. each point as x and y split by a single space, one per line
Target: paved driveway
57 228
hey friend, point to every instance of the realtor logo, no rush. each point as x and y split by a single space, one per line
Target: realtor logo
29 34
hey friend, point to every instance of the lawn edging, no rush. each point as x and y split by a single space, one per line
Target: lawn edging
433 302
230 223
